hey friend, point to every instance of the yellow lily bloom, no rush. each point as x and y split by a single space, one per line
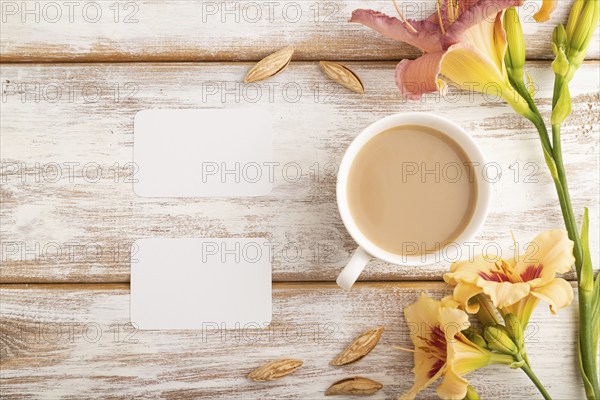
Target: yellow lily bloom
516 285
546 10
477 63
441 350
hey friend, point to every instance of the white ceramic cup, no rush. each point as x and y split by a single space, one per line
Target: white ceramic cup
367 249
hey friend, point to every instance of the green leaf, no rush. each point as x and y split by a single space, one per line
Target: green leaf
562 109
586 280
586 382
560 65
596 312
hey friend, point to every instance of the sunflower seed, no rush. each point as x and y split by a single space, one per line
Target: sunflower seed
357 386
270 65
343 75
275 370
360 347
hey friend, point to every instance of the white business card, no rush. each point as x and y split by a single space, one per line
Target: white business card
203 152
201 283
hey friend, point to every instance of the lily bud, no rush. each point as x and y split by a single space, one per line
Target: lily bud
574 16
582 23
479 341
515 330
559 38
471 394
515 52
583 27
560 65
499 340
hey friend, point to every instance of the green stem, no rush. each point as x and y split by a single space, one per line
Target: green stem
554 159
565 201
497 358
522 90
538 121
586 335
536 381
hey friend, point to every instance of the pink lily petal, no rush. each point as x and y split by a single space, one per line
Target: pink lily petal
417 77
482 10
427 38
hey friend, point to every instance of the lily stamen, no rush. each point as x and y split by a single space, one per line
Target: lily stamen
440 19
451 11
403 19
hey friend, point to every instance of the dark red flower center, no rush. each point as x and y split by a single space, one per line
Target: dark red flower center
533 271
494 276
436 347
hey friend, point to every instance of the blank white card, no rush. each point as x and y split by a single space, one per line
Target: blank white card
202 152
201 283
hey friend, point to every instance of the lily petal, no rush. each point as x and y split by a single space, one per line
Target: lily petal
452 321
471 69
423 311
417 77
552 253
470 270
422 380
482 10
427 38
466 356
548 6
450 302
453 386
463 292
558 293
504 294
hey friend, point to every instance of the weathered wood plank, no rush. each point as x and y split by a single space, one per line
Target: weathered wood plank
147 30
62 341
69 213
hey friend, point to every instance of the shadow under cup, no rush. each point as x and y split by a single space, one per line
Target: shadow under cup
411 189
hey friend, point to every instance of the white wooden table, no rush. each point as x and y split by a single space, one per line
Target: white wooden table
70 89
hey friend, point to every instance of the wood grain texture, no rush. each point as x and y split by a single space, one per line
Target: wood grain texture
61 341
69 213
194 30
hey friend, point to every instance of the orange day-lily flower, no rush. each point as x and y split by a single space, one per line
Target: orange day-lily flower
442 350
464 42
516 285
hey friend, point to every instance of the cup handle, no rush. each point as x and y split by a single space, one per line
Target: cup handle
352 270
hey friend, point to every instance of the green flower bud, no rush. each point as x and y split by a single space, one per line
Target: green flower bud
515 52
583 27
563 107
471 394
559 36
479 341
574 16
515 330
499 340
582 23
